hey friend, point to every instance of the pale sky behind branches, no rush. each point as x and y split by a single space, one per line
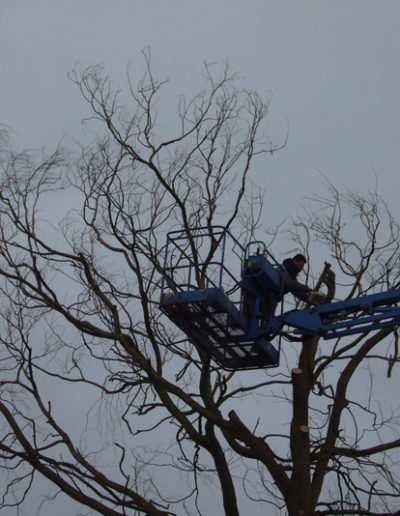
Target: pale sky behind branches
331 69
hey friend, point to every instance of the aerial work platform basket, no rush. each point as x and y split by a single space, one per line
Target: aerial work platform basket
202 295
223 296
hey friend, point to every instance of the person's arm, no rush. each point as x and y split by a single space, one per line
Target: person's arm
296 288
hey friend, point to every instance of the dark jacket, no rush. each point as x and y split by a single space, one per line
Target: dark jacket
290 268
291 284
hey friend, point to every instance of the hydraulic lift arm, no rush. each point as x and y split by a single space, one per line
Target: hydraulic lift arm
239 332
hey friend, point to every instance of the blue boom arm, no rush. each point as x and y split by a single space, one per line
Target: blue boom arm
357 315
227 314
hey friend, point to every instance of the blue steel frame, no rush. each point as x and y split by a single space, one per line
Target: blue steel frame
349 317
237 333
175 237
214 322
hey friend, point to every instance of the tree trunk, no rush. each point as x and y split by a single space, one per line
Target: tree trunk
300 492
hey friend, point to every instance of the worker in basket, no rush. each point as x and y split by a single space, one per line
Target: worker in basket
290 268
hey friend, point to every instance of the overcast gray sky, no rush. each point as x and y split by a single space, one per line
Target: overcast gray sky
332 68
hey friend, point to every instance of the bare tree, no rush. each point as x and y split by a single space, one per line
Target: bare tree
100 395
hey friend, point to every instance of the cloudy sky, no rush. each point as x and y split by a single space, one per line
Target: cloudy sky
331 67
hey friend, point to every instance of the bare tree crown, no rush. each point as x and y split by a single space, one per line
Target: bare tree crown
81 331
